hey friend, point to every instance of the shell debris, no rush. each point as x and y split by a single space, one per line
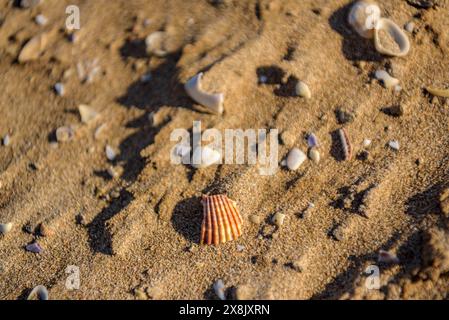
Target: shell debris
278 219
303 90
345 143
295 159
111 154
314 155
33 247
444 93
41 20
87 113
390 39
33 49
221 220
363 16
219 289
38 293
5 227
387 80
59 89
64 134
394 144
194 89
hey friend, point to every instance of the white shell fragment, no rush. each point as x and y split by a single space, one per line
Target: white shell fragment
390 39
295 159
5 227
38 293
212 101
6 140
444 93
59 89
366 143
303 90
41 20
155 44
64 134
387 80
278 219
314 155
363 17
87 114
110 153
219 289
410 26
394 144
204 157
33 48
387 257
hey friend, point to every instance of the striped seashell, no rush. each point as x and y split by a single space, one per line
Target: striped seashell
221 220
345 143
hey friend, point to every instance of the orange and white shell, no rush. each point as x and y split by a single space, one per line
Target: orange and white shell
221 220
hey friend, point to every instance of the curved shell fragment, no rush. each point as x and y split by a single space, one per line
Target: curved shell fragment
212 101
444 93
386 78
155 44
38 293
390 39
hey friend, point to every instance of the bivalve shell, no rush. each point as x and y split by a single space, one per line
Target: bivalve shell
221 220
390 39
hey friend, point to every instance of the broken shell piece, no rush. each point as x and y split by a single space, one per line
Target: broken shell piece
345 144
278 219
110 153
387 257
64 134
38 293
33 48
295 159
41 20
221 220
219 289
5 227
87 113
155 44
366 143
444 93
59 89
303 90
6 140
34 247
394 144
204 157
314 155
387 80
390 39
363 17
209 100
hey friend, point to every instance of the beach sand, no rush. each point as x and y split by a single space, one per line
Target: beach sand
137 235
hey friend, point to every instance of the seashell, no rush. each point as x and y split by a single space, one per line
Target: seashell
87 114
34 247
390 39
204 156
387 80
438 92
64 134
314 155
219 289
410 26
312 140
39 293
155 44
221 220
5 227
6 140
295 159
41 20
110 153
387 257
33 48
303 90
366 143
363 17
394 144
278 219
345 143
59 89
211 101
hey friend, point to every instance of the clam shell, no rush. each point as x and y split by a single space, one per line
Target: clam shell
221 220
155 44
363 17
385 31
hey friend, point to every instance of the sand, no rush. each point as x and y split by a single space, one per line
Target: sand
136 236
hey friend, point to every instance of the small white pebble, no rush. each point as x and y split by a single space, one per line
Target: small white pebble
366 143
295 159
240 248
303 90
110 153
59 89
219 289
87 113
6 140
41 20
394 144
5 227
410 26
